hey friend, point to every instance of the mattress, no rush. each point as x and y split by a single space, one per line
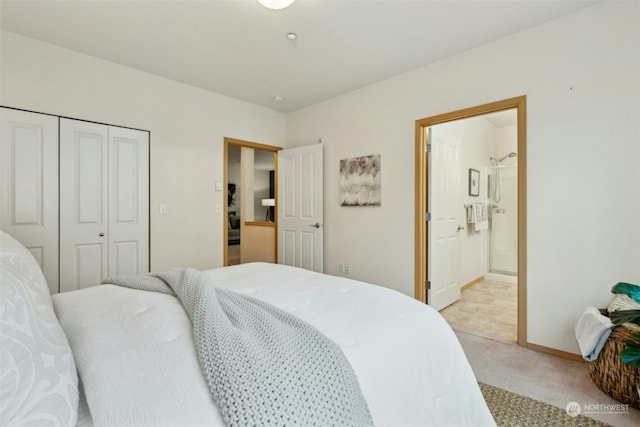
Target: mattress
137 363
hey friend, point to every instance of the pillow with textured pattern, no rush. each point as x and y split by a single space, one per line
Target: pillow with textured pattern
38 379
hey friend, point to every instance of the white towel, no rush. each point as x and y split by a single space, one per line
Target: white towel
481 214
592 331
471 214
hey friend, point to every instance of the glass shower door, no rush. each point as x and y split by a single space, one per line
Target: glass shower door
503 224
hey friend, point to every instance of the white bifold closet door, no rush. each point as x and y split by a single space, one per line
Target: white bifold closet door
104 203
29 185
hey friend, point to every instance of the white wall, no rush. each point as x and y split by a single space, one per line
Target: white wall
187 129
581 77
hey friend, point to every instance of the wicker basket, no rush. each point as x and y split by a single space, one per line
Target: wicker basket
611 374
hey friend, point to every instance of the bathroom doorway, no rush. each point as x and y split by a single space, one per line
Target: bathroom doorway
482 257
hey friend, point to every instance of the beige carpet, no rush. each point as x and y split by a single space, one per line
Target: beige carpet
542 377
488 309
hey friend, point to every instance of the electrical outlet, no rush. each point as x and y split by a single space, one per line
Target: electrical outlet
347 268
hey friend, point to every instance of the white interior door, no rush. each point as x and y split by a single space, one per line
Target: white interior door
300 207
29 175
84 199
444 205
128 233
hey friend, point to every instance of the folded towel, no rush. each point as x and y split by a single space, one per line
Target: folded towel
481 215
592 331
471 214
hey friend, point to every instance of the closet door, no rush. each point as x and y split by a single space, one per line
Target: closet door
84 198
29 185
128 201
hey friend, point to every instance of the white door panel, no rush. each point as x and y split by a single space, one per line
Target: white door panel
104 204
300 207
128 235
444 205
55 180
83 204
29 176
89 264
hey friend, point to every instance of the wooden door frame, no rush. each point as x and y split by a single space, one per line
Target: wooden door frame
421 197
225 184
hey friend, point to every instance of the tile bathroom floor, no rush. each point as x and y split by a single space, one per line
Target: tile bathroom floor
488 309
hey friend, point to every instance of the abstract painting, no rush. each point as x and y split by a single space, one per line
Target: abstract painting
360 181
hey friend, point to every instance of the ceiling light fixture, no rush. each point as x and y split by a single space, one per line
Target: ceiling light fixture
276 4
278 99
292 36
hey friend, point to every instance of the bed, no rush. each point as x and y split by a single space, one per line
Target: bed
114 356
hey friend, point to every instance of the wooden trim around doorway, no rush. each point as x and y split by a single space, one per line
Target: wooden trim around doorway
421 198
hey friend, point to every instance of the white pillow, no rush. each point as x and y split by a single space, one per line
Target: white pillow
38 379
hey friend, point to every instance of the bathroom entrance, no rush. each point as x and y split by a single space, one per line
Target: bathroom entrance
483 253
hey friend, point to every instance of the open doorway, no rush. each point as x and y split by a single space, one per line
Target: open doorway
470 215
250 176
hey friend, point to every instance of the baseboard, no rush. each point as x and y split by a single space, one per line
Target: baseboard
471 283
555 352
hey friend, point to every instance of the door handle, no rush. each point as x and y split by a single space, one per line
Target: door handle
316 225
101 234
460 228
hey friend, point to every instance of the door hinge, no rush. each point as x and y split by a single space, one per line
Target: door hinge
427 284
427 216
427 148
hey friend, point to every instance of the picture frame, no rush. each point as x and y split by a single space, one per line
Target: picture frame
474 182
361 181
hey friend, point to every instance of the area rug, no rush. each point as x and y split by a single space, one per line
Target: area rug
510 409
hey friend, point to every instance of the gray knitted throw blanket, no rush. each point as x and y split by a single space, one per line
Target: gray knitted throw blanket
264 367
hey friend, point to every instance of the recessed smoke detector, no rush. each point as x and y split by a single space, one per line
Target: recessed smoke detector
278 99
292 36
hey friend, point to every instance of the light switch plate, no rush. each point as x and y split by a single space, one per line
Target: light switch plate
218 186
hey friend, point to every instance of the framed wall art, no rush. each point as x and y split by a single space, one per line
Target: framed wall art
360 181
474 182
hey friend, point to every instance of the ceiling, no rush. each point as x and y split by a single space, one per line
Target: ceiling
240 49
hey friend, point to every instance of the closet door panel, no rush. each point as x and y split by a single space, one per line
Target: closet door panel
29 176
83 204
128 201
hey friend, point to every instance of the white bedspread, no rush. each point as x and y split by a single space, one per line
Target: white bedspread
136 359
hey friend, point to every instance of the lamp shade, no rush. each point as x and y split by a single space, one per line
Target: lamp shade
276 4
268 202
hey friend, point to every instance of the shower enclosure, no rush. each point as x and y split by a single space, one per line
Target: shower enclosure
503 217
